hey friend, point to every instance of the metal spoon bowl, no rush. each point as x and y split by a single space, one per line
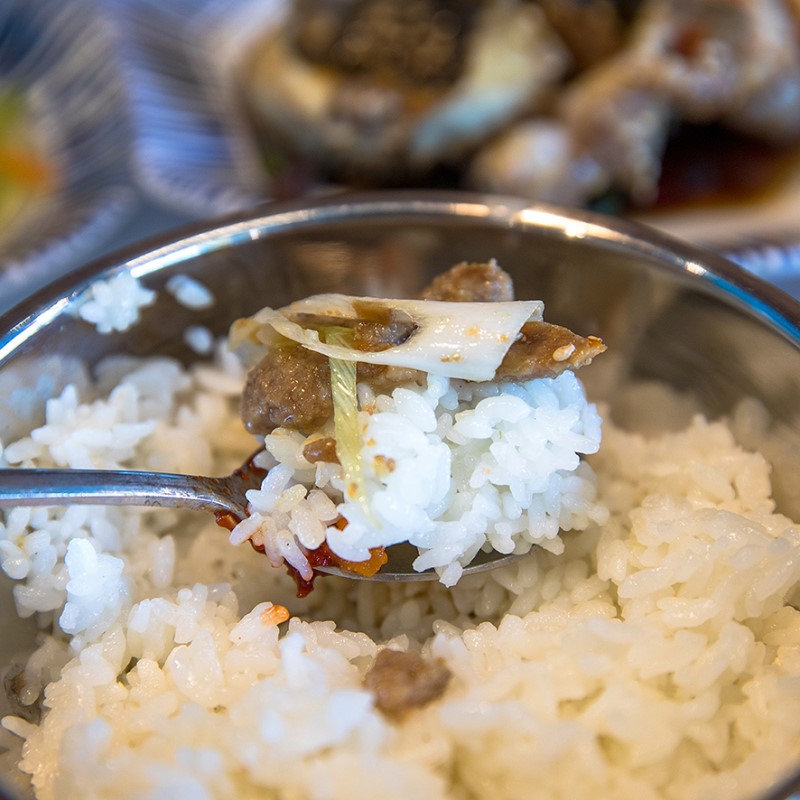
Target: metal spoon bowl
225 497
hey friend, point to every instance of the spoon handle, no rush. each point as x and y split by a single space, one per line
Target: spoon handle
50 487
225 497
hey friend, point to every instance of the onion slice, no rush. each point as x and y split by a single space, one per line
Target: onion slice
344 395
455 340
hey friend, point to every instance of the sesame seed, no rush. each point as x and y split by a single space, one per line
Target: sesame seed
564 352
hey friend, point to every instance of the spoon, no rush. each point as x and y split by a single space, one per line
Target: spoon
225 497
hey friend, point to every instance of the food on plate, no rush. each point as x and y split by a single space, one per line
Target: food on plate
736 64
656 657
27 173
558 101
454 422
376 90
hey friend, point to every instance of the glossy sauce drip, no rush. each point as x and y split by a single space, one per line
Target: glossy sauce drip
323 557
227 519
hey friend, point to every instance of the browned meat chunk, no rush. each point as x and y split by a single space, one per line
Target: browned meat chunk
289 387
323 449
375 90
542 350
374 330
374 336
545 351
403 42
402 682
471 283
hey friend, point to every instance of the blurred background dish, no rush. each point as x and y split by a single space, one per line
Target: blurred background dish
64 186
182 151
683 115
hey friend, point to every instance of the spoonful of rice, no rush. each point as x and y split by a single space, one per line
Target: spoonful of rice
402 439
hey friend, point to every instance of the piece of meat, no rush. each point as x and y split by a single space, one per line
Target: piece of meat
379 91
403 681
543 350
471 282
379 328
374 329
290 387
409 43
322 449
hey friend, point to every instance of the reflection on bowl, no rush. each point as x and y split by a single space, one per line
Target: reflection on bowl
56 58
614 667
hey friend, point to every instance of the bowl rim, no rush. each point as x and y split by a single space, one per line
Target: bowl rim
752 294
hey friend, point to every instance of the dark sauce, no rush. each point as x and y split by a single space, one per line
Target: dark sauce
710 165
227 519
321 557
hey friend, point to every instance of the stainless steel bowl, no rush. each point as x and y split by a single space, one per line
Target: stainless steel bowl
666 310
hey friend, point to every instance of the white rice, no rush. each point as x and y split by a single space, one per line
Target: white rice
199 338
114 304
190 292
658 656
452 467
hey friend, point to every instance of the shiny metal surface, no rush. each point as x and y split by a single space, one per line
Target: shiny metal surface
666 310
50 487
224 497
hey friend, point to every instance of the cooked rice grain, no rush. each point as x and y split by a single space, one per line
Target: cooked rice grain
657 657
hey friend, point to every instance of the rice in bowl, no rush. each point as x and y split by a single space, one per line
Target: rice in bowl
658 656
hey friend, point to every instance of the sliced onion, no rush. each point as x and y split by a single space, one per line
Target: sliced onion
455 340
345 421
